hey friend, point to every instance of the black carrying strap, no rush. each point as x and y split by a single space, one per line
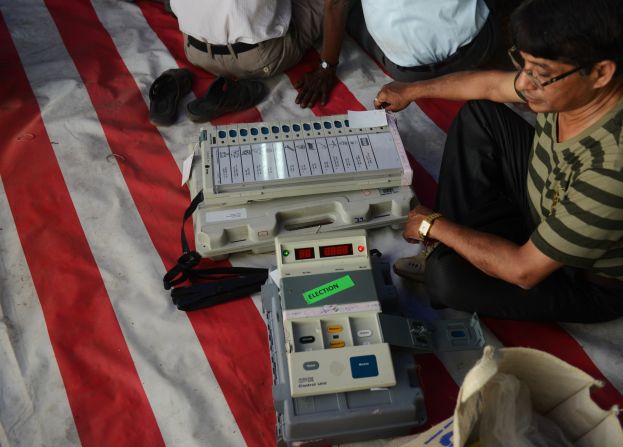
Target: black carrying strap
189 259
237 282
226 283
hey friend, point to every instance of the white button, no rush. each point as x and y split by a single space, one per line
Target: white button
364 333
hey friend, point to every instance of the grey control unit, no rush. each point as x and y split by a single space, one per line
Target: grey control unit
341 372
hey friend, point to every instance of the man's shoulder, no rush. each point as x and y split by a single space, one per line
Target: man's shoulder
611 140
616 126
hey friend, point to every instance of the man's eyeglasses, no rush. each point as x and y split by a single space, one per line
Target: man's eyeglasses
519 64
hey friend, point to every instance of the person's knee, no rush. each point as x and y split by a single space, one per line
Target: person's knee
468 124
476 109
474 125
443 287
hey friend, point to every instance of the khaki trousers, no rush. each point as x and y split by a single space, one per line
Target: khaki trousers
269 57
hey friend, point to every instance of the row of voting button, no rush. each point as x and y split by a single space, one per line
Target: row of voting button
264 130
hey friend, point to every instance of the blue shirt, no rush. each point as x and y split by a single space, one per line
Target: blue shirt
419 32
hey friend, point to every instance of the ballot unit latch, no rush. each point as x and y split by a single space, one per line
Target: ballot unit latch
434 335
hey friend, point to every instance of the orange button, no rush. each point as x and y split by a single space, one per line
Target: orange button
334 328
337 344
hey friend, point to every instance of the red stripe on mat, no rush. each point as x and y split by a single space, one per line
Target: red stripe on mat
165 25
551 338
233 336
440 111
86 338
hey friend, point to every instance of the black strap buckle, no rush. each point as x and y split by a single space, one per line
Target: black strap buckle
181 271
226 283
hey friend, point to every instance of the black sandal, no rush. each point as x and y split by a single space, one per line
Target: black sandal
225 96
165 94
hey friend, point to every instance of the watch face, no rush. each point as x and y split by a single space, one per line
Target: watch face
424 227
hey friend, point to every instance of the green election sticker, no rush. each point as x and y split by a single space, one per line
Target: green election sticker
328 289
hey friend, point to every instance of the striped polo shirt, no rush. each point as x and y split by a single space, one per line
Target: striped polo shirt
575 191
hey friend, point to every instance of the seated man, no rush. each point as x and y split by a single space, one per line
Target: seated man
411 40
247 39
531 219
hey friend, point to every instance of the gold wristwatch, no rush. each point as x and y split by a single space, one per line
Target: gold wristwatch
426 225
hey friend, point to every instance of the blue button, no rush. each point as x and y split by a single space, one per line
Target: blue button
296 127
232 133
346 122
364 366
243 132
306 126
327 125
337 124
254 131
222 134
265 130
285 128
317 126
275 129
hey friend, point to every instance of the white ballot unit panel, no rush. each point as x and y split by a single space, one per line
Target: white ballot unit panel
262 180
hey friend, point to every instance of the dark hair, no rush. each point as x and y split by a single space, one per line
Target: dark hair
578 32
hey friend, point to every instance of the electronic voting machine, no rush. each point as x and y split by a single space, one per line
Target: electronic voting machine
343 370
262 180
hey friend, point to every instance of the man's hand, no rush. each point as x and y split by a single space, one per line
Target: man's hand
416 216
522 265
393 96
315 85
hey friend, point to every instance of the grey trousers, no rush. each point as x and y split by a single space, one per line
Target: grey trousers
272 56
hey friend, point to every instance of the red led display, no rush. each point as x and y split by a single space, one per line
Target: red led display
329 251
303 253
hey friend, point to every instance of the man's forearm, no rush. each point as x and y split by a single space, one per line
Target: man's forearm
495 256
334 27
493 85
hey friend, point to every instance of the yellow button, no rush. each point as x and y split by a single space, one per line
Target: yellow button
337 344
334 328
